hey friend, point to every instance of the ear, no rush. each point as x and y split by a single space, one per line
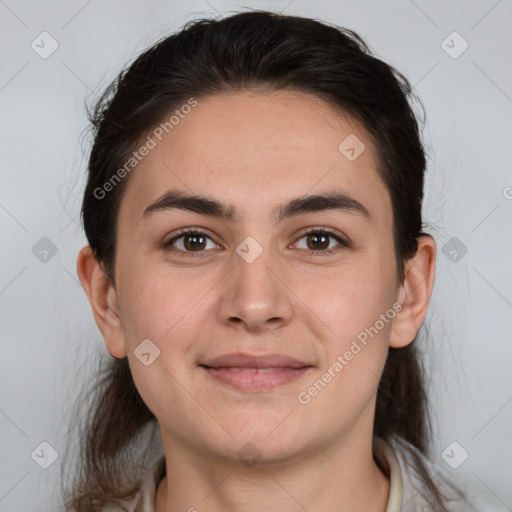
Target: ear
103 300
414 293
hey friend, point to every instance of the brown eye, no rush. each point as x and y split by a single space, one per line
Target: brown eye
194 242
190 242
319 241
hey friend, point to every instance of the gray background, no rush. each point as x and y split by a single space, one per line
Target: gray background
47 330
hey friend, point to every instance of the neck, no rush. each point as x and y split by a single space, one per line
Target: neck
339 478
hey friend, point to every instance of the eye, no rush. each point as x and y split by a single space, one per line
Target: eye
318 241
190 241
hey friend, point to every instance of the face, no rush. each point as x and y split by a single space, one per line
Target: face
281 273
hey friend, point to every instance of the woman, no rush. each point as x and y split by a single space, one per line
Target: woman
257 268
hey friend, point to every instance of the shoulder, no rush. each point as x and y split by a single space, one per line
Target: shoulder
413 471
145 499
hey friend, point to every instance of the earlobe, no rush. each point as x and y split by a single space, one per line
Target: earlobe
415 292
103 300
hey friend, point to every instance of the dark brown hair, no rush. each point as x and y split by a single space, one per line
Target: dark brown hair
267 52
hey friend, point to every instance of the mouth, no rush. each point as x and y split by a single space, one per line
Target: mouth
255 373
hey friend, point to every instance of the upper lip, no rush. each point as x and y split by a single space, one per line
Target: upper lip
240 360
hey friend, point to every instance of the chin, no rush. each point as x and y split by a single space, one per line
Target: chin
264 443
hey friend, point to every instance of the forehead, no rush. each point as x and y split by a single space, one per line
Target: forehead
254 150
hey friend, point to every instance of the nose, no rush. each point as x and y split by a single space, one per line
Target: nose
255 296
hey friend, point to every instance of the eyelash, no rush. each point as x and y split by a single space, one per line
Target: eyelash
310 231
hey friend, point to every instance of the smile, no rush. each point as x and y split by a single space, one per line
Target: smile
255 379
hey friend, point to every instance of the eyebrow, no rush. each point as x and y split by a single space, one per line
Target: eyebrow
175 199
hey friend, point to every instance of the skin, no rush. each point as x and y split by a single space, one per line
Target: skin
255 151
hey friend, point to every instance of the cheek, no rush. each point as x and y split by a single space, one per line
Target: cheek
167 311
354 356
162 391
351 298
155 301
356 304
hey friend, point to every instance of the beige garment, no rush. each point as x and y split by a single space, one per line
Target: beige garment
406 487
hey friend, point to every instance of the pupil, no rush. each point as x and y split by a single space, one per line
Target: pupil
322 238
195 241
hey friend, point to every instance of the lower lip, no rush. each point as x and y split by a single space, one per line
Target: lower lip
252 380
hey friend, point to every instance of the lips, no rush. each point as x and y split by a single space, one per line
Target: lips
252 373
240 360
